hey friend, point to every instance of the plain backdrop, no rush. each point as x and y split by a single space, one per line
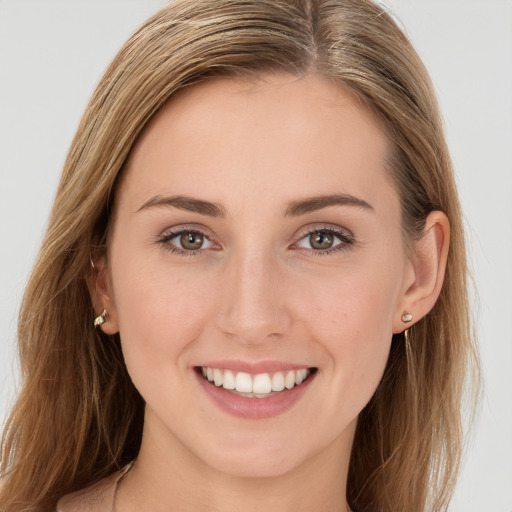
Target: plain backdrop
52 54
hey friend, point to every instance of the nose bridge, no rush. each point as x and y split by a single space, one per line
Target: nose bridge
253 308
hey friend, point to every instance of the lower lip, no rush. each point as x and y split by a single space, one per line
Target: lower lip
254 408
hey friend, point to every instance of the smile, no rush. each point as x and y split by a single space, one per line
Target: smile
261 385
236 392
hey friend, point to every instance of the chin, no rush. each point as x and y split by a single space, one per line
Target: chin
270 466
259 457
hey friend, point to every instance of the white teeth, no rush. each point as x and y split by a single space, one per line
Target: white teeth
262 383
289 380
301 375
259 385
229 380
243 382
278 382
217 377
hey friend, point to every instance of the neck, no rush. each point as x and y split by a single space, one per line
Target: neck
182 481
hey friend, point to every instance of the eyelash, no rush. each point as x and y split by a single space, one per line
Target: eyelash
345 238
171 233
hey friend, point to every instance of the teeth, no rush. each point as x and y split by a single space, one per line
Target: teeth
262 383
301 375
289 380
229 380
278 382
217 377
243 382
259 385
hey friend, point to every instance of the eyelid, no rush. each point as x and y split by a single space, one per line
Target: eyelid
174 231
313 228
345 236
184 228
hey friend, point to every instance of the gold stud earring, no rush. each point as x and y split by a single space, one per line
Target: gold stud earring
406 317
100 320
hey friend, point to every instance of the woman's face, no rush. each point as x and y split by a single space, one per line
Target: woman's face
256 238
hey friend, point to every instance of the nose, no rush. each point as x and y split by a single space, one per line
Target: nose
252 305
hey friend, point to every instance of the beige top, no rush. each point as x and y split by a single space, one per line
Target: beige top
98 497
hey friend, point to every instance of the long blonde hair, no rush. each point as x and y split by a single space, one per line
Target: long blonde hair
78 417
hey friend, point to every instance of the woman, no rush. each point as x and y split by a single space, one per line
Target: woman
252 291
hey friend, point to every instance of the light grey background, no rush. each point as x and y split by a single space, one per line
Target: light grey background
52 54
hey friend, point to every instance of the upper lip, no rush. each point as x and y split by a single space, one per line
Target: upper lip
254 367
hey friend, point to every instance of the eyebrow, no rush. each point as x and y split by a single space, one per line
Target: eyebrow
312 204
186 203
294 208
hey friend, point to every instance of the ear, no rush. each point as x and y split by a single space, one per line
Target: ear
427 268
100 290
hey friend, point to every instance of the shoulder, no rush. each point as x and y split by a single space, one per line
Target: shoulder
98 497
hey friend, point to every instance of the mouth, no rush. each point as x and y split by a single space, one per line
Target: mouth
260 385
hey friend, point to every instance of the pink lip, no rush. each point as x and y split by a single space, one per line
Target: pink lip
254 368
253 408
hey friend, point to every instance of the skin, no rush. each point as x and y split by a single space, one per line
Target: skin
258 290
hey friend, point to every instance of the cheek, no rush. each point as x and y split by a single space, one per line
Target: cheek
359 298
160 312
351 316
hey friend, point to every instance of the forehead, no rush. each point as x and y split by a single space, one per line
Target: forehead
299 136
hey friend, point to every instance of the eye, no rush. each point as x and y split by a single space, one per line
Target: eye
186 241
191 241
325 240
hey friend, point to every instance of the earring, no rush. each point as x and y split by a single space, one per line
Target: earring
406 317
100 320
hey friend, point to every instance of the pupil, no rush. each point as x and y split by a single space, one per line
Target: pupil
191 241
321 240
